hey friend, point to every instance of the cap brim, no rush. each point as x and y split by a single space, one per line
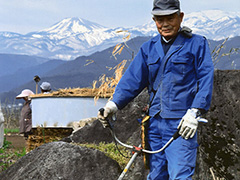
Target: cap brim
20 96
164 13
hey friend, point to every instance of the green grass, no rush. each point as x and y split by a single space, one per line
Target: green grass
6 130
9 155
111 151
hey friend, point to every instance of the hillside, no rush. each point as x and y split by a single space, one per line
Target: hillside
82 71
230 52
11 63
100 62
24 75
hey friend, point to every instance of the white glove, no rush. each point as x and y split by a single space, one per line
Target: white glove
109 110
189 123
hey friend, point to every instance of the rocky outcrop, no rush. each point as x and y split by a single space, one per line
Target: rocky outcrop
125 125
220 139
60 160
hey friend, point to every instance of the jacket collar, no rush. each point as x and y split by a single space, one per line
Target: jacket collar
177 44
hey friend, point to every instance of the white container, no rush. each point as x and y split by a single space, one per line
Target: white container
61 111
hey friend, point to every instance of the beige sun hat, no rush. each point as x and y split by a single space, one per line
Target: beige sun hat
24 93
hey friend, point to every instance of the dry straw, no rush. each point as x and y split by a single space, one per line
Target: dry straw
217 55
107 84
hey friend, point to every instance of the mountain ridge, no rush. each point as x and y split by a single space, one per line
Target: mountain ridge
73 37
75 25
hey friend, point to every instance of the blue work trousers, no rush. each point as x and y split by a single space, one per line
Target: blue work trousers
177 161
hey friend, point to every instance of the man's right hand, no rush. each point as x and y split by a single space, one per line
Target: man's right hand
109 110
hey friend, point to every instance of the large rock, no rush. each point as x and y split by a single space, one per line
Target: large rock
125 126
60 160
127 129
220 139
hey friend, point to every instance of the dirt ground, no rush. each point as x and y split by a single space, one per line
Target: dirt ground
18 141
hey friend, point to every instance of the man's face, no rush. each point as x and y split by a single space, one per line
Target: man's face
168 25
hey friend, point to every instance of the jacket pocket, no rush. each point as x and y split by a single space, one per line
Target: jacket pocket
181 67
153 66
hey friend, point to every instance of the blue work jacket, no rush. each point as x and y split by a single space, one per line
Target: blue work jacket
177 81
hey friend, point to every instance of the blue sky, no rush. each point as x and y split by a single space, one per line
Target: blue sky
23 16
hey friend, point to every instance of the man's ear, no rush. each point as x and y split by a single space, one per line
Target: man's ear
181 15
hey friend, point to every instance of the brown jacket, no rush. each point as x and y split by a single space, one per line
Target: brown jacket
25 121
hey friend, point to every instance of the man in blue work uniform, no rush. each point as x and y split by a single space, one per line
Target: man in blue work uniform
177 69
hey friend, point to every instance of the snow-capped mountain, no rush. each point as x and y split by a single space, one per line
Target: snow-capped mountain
214 24
66 40
71 26
73 37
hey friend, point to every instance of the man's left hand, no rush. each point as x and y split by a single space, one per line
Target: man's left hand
189 123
